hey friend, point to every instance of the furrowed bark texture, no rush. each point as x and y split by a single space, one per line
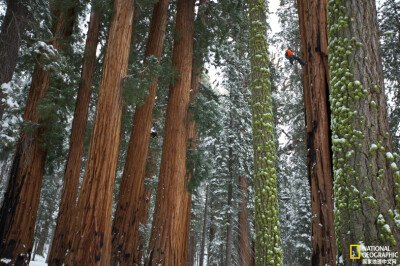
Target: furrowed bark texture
268 240
19 209
132 208
314 42
91 242
60 242
12 31
366 178
170 230
191 142
244 240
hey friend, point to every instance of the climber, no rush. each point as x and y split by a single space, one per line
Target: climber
290 55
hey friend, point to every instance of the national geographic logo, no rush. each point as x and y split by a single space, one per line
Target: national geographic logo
355 252
380 255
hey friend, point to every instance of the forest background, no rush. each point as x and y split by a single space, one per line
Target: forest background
221 163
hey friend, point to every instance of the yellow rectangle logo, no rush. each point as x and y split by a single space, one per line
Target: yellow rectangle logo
355 249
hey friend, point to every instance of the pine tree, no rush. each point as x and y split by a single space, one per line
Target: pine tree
91 241
365 175
73 166
268 242
18 212
314 39
389 26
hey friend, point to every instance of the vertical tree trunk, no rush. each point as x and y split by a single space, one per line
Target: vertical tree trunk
73 167
132 204
365 175
18 212
314 39
229 229
170 229
211 236
91 243
12 31
191 127
204 235
268 240
192 249
244 240
43 238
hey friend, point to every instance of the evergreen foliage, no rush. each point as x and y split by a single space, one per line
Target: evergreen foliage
235 117
389 26
293 186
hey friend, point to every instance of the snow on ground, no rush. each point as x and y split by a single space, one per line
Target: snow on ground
39 261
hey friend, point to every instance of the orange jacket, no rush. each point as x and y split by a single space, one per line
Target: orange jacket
289 53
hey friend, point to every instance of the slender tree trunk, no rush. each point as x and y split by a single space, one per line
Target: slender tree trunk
192 249
229 230
314 38
18 212
170 229
12 31
366 176
132 204
244 240
211 236
73 167
91 242
267 231
44 233
204 235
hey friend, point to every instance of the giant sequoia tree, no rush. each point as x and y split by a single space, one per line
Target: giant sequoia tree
132 202
59 245
18 212
91 242
268 242
314 39
170 229
365 175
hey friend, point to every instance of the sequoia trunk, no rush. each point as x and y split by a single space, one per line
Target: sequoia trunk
314 40
170 230
19 209
366 176
59 245
132 201
91 242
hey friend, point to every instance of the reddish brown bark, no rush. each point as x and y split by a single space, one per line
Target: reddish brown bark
18 212
91 242
72 170
191 134
244 240
132 208
170 230
314 39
